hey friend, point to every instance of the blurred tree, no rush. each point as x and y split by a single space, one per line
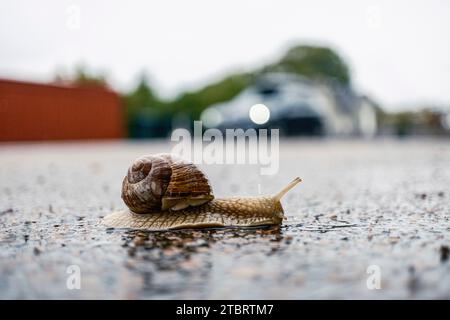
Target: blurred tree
313 62
194 102
81 77
402 122
143 96
147 114
432 120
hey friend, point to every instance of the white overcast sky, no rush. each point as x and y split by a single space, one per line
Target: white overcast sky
399 51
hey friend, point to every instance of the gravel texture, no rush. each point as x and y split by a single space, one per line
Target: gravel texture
364 205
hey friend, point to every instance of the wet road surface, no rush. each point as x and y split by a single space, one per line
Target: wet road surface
363 207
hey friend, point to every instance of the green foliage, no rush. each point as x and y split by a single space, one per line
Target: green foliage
315 63
401 122
147 115
82 77
194 102
143 100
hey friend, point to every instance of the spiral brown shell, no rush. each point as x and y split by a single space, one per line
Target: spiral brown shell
163 182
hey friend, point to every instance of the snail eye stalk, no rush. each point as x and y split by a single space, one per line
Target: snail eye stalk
286 189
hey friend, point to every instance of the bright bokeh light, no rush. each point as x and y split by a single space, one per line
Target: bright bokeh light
259 113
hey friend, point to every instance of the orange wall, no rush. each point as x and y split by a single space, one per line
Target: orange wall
31 111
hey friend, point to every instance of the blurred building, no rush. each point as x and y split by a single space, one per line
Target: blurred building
30 111
298 106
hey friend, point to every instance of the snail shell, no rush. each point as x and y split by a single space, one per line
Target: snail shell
164 182
164 191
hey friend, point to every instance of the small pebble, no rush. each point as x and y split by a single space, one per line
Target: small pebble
7 211
445 252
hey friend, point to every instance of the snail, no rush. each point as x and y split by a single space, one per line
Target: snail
164 191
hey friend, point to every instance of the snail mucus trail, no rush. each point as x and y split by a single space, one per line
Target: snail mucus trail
164 191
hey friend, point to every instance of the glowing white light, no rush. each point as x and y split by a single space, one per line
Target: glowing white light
259 113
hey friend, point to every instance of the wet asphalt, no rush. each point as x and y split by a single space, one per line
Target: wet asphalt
366 211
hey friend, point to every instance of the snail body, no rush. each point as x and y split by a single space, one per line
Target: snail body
165 192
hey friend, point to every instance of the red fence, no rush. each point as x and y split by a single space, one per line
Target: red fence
30 111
